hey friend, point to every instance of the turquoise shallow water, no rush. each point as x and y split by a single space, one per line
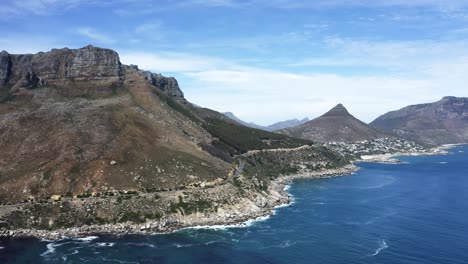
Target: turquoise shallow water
415 212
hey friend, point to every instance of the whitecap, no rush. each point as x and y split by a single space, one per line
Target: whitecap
382 245
50 249
183 245
105 244
442 162
287 244
247 223
258 219
87 239
141 244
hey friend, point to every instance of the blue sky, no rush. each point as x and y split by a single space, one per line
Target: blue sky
267 61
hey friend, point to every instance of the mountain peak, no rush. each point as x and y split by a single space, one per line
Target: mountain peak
335 125
338 110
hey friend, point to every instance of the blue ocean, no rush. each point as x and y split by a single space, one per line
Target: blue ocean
414 212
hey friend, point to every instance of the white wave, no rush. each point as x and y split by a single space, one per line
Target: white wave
50 249
460 151
86 239
284 204
382 245
287 187
141 244
287 244
442 162
247 223
389 181
105 244
2 247
274 211
183 245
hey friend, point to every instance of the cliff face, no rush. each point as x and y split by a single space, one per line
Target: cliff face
445 121
335 125
72 70
167 85
86 71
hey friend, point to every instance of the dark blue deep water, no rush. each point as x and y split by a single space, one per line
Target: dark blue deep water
408 213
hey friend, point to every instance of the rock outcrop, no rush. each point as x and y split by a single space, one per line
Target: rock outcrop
335 125
442 122
168 85
77 72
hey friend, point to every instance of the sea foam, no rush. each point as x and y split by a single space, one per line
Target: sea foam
382 245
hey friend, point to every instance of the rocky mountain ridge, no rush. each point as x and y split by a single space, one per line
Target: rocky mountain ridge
273 127
441 122
86 71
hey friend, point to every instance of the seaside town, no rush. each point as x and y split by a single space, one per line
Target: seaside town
377 146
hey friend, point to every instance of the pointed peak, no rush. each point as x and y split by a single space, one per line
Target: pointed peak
338 110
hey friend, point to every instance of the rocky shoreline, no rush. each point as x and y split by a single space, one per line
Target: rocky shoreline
248 209
237 214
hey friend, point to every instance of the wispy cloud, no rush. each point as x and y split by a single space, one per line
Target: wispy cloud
264 95
172 62
37 7
94 35
149 27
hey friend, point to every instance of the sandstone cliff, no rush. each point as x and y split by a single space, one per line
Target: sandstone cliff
78 72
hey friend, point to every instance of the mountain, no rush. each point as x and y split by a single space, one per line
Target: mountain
286 124
441 122
271 128
247 124
87 140
335 125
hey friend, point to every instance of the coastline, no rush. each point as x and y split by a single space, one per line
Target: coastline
238 215
389 158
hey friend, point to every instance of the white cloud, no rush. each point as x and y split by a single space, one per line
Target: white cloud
94 35
171 62
410 72
266 96
148 27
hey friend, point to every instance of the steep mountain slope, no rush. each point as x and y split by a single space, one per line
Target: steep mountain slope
272 127
335 125
445 121
78 121
89 144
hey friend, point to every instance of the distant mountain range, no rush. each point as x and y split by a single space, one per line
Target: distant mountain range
441 122
335 125
273 127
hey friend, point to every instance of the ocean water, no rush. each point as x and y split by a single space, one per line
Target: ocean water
415 212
